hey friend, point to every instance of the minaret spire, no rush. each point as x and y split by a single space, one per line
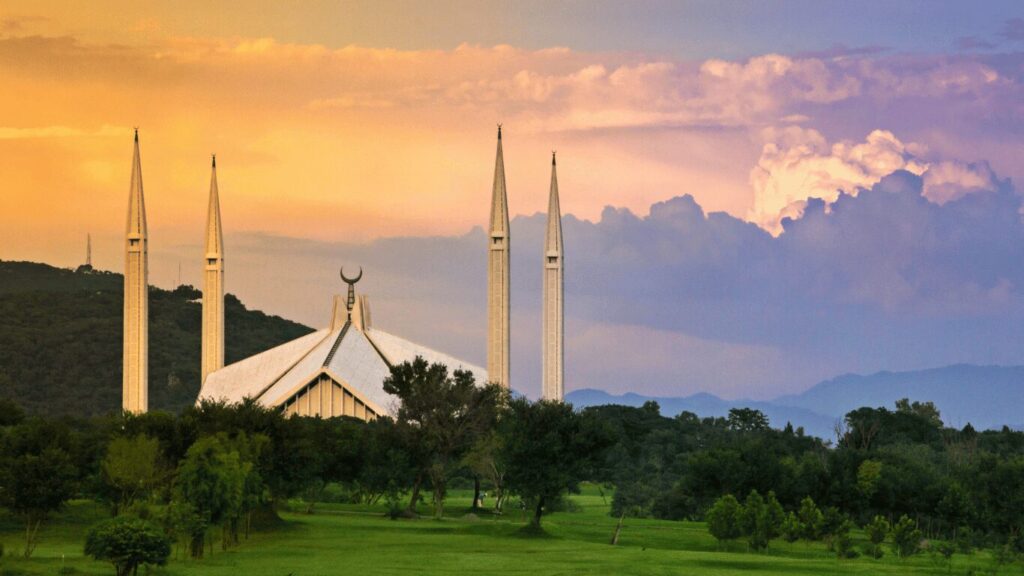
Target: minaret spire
135 362
498 277
88 250
213 283
553 294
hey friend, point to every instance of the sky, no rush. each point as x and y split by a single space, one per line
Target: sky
758 195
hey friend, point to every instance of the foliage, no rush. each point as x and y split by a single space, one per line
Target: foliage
906 537
37 475
131 469
60 332
791 529
128 543
876 531
547 450
724 519
811 519
447 415
211 479
842 542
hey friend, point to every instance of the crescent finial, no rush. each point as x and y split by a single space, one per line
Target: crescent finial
351 280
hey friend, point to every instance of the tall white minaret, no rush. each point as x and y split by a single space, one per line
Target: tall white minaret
551 338
498 278
213 284
135 364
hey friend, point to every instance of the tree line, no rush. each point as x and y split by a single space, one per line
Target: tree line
217 470
961 487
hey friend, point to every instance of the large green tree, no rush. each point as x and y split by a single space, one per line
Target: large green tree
211 482
548 449
447 414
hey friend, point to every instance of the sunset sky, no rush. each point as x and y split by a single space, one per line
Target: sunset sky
687 132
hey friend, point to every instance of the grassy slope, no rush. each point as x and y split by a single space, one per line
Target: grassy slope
357 539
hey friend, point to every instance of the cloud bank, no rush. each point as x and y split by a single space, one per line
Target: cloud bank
680 300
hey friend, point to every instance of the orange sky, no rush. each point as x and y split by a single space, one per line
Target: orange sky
330 142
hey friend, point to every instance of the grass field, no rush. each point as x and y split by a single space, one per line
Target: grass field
346 539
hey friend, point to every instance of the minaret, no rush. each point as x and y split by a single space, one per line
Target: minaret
135 364
553 359
213 284
88 250
498 278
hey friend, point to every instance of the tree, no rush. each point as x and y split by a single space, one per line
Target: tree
483 460
924 410
34 485
724 519
906 537
761 519
868 474
876 531
842 542
447 415
211 480
128 543
955 507
776 516
387 469
747 420
130 468
754 521
547 449
832 522
810 519
791 529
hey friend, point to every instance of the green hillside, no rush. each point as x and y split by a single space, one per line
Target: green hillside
61 330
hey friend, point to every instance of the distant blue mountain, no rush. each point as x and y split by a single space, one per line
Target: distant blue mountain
705 405
984 396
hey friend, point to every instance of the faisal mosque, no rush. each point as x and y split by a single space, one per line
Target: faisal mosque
340 369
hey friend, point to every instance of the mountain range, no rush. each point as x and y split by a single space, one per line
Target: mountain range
983 396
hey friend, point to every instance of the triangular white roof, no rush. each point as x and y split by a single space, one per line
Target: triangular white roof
361 359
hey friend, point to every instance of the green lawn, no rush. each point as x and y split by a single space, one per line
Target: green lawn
344 539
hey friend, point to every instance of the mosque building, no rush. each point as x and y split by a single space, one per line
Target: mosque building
340 369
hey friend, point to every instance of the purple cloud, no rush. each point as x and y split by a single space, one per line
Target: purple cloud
1013 29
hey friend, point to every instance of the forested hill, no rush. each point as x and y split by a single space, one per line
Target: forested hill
61 332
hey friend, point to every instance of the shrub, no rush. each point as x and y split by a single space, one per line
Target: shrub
760 519
905 537
126 543
791 528
843 544
810 519
876 531
724 518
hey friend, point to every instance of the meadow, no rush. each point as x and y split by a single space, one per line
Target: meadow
344 538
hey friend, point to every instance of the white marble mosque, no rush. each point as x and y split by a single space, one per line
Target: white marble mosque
340 369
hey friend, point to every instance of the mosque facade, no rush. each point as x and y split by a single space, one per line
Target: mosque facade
340 369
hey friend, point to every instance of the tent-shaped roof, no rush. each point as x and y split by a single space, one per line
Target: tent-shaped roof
356 357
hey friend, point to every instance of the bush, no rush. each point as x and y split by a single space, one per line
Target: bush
906 538
843 544
126 543
761 519
791 528
832 522
724 518
810 519
876 531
